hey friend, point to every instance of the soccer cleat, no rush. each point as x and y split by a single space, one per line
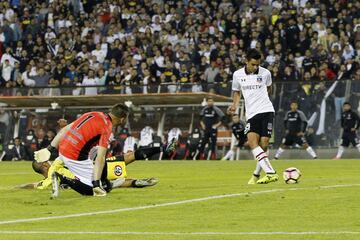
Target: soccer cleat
276 158
146 182
336 158
55 185
253 179
268 178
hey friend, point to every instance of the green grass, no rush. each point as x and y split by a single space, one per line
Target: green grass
308 209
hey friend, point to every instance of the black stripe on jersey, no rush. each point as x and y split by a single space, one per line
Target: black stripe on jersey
84 121
84 152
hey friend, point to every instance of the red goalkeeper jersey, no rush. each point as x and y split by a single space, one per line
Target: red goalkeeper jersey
91 129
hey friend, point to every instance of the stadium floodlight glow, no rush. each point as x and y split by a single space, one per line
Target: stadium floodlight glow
128 103
54 105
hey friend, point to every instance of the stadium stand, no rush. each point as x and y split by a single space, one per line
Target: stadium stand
57 47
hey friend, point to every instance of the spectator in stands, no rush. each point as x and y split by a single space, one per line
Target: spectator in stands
18 152
48 138
90 80
210 74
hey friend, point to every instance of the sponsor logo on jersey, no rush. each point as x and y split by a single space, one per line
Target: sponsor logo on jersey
118 170
251 87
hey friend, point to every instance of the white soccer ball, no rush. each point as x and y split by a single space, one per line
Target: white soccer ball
292 175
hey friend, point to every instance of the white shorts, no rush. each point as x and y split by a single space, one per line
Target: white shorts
83 170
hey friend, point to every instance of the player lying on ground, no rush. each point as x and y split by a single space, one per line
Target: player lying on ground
254 82
116 168
238 128
75 141
350 123
108 172
295 123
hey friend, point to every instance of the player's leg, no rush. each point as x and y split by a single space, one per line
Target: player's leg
228 155
286 142
133 183
355 141
82 170
308 148
257 151
213 143
203 143
345 142
265 130
74 184
253 142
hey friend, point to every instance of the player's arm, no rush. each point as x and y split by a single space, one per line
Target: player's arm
27 186
357 121
236 95
55 142
202 124
100 161
98 168
269 89
236 99
304 122
286 123
44 154
221 117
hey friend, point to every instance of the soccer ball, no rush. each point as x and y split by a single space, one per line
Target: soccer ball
292 175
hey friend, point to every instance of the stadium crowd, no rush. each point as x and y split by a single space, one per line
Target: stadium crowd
135 45
143 46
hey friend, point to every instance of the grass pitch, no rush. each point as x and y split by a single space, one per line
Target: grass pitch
324 205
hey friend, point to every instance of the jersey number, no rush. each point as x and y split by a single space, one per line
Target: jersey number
84 121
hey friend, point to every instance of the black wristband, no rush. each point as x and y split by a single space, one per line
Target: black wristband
96 183
51 148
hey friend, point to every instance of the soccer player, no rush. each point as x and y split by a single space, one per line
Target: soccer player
173 135
75 141
238 128
295 123
211 117
254 82
350 122
112 165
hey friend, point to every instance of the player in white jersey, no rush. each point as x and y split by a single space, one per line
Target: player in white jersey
254 82
146 136
174 133
130 144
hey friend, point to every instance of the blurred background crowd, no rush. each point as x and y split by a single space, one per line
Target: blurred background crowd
149 46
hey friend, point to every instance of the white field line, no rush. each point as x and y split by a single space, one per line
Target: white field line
112 211
180 233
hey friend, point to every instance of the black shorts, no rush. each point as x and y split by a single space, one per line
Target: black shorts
349 137
290 139
261 124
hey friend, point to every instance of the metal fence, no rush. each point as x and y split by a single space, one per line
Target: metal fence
321 101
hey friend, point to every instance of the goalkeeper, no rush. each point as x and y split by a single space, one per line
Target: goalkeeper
75 141
116 174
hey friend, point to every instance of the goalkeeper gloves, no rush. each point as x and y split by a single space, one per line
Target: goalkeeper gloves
44 154
98 190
